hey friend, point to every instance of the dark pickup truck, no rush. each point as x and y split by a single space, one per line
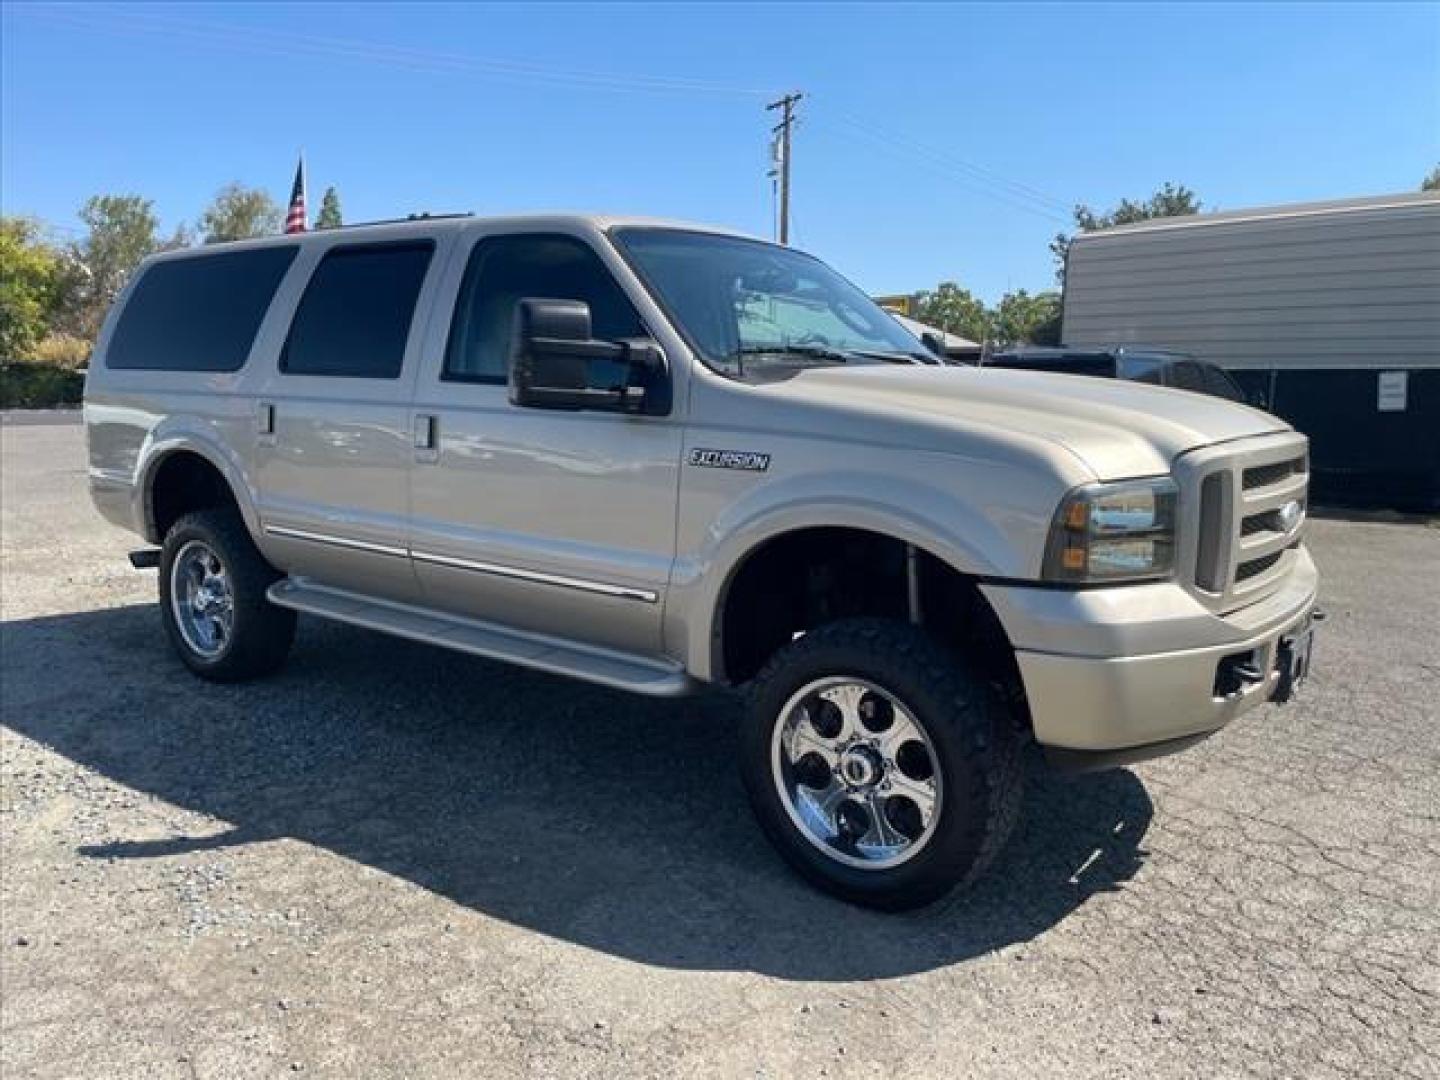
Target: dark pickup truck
1157 366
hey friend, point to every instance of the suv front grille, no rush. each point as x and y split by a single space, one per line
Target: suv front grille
1243 529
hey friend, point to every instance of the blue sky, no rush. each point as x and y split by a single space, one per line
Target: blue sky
936 142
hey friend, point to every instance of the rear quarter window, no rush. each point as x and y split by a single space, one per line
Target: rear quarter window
199 313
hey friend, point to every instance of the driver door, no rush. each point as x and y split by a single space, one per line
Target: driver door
550 521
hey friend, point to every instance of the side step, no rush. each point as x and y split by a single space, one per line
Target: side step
607 667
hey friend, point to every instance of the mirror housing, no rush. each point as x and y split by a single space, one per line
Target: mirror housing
552 356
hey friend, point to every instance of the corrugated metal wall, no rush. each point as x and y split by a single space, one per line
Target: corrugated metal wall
1345 286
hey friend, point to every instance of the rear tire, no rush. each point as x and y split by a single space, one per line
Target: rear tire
914 751
212 599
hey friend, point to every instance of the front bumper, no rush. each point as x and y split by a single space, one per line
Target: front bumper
1125 673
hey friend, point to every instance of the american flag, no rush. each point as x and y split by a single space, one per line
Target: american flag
295 216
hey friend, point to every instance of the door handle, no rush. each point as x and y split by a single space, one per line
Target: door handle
265 423
427 437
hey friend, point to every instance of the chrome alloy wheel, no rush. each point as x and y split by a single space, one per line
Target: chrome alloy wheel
857 773
201 599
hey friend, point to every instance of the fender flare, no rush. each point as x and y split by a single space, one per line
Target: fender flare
702 590
158 450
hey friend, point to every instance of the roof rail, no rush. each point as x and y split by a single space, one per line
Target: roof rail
424 215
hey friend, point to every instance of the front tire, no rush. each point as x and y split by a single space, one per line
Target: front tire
212 599
882 768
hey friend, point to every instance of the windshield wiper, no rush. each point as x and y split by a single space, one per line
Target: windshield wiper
896 357
821 353
817 352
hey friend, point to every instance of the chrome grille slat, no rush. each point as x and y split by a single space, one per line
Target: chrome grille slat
1253 547
1275 497
1254 567
1260 476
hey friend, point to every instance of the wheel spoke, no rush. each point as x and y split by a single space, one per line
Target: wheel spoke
881 833
825 803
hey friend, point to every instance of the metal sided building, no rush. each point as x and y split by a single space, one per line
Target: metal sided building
1326 313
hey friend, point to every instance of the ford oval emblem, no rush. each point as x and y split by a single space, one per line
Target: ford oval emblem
1290 515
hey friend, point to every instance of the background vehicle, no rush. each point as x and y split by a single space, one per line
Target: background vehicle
653 456
1156 366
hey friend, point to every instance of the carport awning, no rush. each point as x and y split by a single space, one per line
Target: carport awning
952 341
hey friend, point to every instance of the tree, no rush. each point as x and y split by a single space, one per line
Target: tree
329 216
240 213
954 310
1022 319
120 231
1431 182
29 269
1172 200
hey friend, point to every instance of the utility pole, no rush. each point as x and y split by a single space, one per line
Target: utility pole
786 105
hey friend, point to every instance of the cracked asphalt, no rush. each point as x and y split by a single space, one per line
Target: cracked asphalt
394 861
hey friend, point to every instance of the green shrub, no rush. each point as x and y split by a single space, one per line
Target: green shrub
39 386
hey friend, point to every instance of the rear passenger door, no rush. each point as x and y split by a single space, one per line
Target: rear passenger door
334 446
545 520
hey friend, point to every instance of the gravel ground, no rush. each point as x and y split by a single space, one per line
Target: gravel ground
394 861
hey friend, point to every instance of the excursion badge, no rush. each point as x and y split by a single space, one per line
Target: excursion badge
745 460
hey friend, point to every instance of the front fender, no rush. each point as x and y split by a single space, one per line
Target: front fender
975 537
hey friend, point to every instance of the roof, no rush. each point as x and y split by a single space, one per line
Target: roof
916 327
1406 200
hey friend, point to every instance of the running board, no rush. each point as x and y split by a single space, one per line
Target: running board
622 671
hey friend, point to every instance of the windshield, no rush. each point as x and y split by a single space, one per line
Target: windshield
744 304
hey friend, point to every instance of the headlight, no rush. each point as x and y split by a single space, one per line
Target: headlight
1114 532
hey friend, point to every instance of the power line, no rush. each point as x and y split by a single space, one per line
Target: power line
302 46
980 172
954 169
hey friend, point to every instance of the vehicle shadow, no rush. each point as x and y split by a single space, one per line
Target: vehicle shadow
592 816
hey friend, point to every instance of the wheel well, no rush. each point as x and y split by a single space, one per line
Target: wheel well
184 482
800 580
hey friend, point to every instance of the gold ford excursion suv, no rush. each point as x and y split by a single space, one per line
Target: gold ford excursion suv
655 456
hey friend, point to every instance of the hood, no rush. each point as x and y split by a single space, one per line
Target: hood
1118 429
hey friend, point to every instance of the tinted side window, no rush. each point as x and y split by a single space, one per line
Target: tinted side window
1186 375
1221 385
506 269
355 315
199 313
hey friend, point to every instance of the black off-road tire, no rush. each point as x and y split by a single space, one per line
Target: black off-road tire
978 750
262 633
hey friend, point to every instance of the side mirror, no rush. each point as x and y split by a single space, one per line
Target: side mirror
934 342
554 361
